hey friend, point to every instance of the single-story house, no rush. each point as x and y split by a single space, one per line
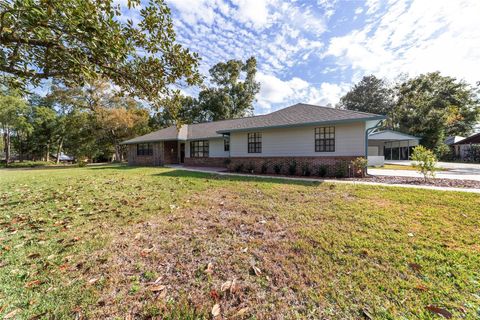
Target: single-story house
309 134
468 149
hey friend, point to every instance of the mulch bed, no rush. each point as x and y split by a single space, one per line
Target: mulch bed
453 183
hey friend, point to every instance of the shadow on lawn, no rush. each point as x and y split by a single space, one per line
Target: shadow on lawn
178 173
113 166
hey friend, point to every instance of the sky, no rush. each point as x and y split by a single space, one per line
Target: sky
313 51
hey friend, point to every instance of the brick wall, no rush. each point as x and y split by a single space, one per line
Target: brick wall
332 164
154 160
205 162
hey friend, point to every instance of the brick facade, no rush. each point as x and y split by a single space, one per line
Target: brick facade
157 159
205 162
333 165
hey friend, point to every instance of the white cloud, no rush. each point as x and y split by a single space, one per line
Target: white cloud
280 34
415 38
274 91
193 11
255 12
358 11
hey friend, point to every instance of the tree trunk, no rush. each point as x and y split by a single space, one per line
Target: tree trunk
59 149
6 137
47 158
118 152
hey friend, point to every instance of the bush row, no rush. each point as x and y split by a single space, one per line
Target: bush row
292 168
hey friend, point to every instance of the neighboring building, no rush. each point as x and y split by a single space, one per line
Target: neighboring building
308 134
468 149
390 145
63 157
453 139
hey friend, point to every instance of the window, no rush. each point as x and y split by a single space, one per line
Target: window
325 139
145 149
199 149
255 142
226 144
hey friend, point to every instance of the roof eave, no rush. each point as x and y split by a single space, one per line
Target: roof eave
149 141
306 124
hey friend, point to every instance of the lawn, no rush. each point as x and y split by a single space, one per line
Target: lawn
137 243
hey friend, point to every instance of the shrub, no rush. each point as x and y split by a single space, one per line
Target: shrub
250 167
26 164
443 151
227 161
306 170
322 170
425 161
341 169
238 167
277 168
264 167
359 164
292 167
82 163
473 153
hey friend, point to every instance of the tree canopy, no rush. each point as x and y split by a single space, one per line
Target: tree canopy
430 106
433 107
371 95
231 95
79 41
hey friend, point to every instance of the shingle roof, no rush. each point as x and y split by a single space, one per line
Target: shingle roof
391 135
296 115
169 133
301 114
474 139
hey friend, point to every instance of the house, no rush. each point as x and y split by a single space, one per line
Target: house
311 135
468 149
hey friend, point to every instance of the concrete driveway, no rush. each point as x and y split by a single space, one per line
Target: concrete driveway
460 171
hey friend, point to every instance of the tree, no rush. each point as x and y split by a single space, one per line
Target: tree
432 106
78 41
187 111
371 95
119 124
12 118
425 161
230 97
110 117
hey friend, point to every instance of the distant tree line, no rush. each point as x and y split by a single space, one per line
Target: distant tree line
430 106
90 122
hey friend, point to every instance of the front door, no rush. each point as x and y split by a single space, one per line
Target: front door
182 152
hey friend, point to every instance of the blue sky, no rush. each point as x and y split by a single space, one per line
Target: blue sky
313 51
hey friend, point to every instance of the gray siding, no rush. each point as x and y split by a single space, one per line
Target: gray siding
300 141
215 149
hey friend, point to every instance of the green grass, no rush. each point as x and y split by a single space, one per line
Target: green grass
90 241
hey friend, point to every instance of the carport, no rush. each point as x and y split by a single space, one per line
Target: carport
390 145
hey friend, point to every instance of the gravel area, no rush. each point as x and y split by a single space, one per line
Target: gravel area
437 182
453 183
